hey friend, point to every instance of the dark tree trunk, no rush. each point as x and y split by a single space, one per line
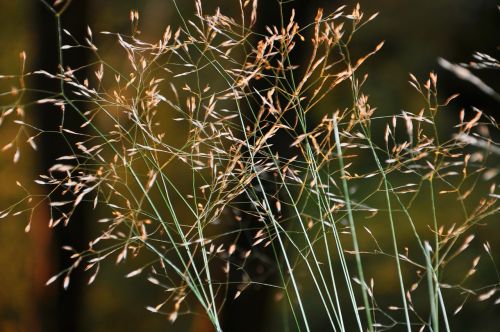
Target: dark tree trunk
57 309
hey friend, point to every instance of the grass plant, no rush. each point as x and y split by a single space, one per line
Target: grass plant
178 153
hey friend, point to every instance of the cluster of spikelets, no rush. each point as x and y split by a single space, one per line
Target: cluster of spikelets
178 149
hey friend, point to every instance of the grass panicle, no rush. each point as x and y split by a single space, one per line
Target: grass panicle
177 152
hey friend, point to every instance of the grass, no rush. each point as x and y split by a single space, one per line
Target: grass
179 151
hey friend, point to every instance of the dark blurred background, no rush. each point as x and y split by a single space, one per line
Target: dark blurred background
416 33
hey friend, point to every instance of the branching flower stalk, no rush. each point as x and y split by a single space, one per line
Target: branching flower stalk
180 162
